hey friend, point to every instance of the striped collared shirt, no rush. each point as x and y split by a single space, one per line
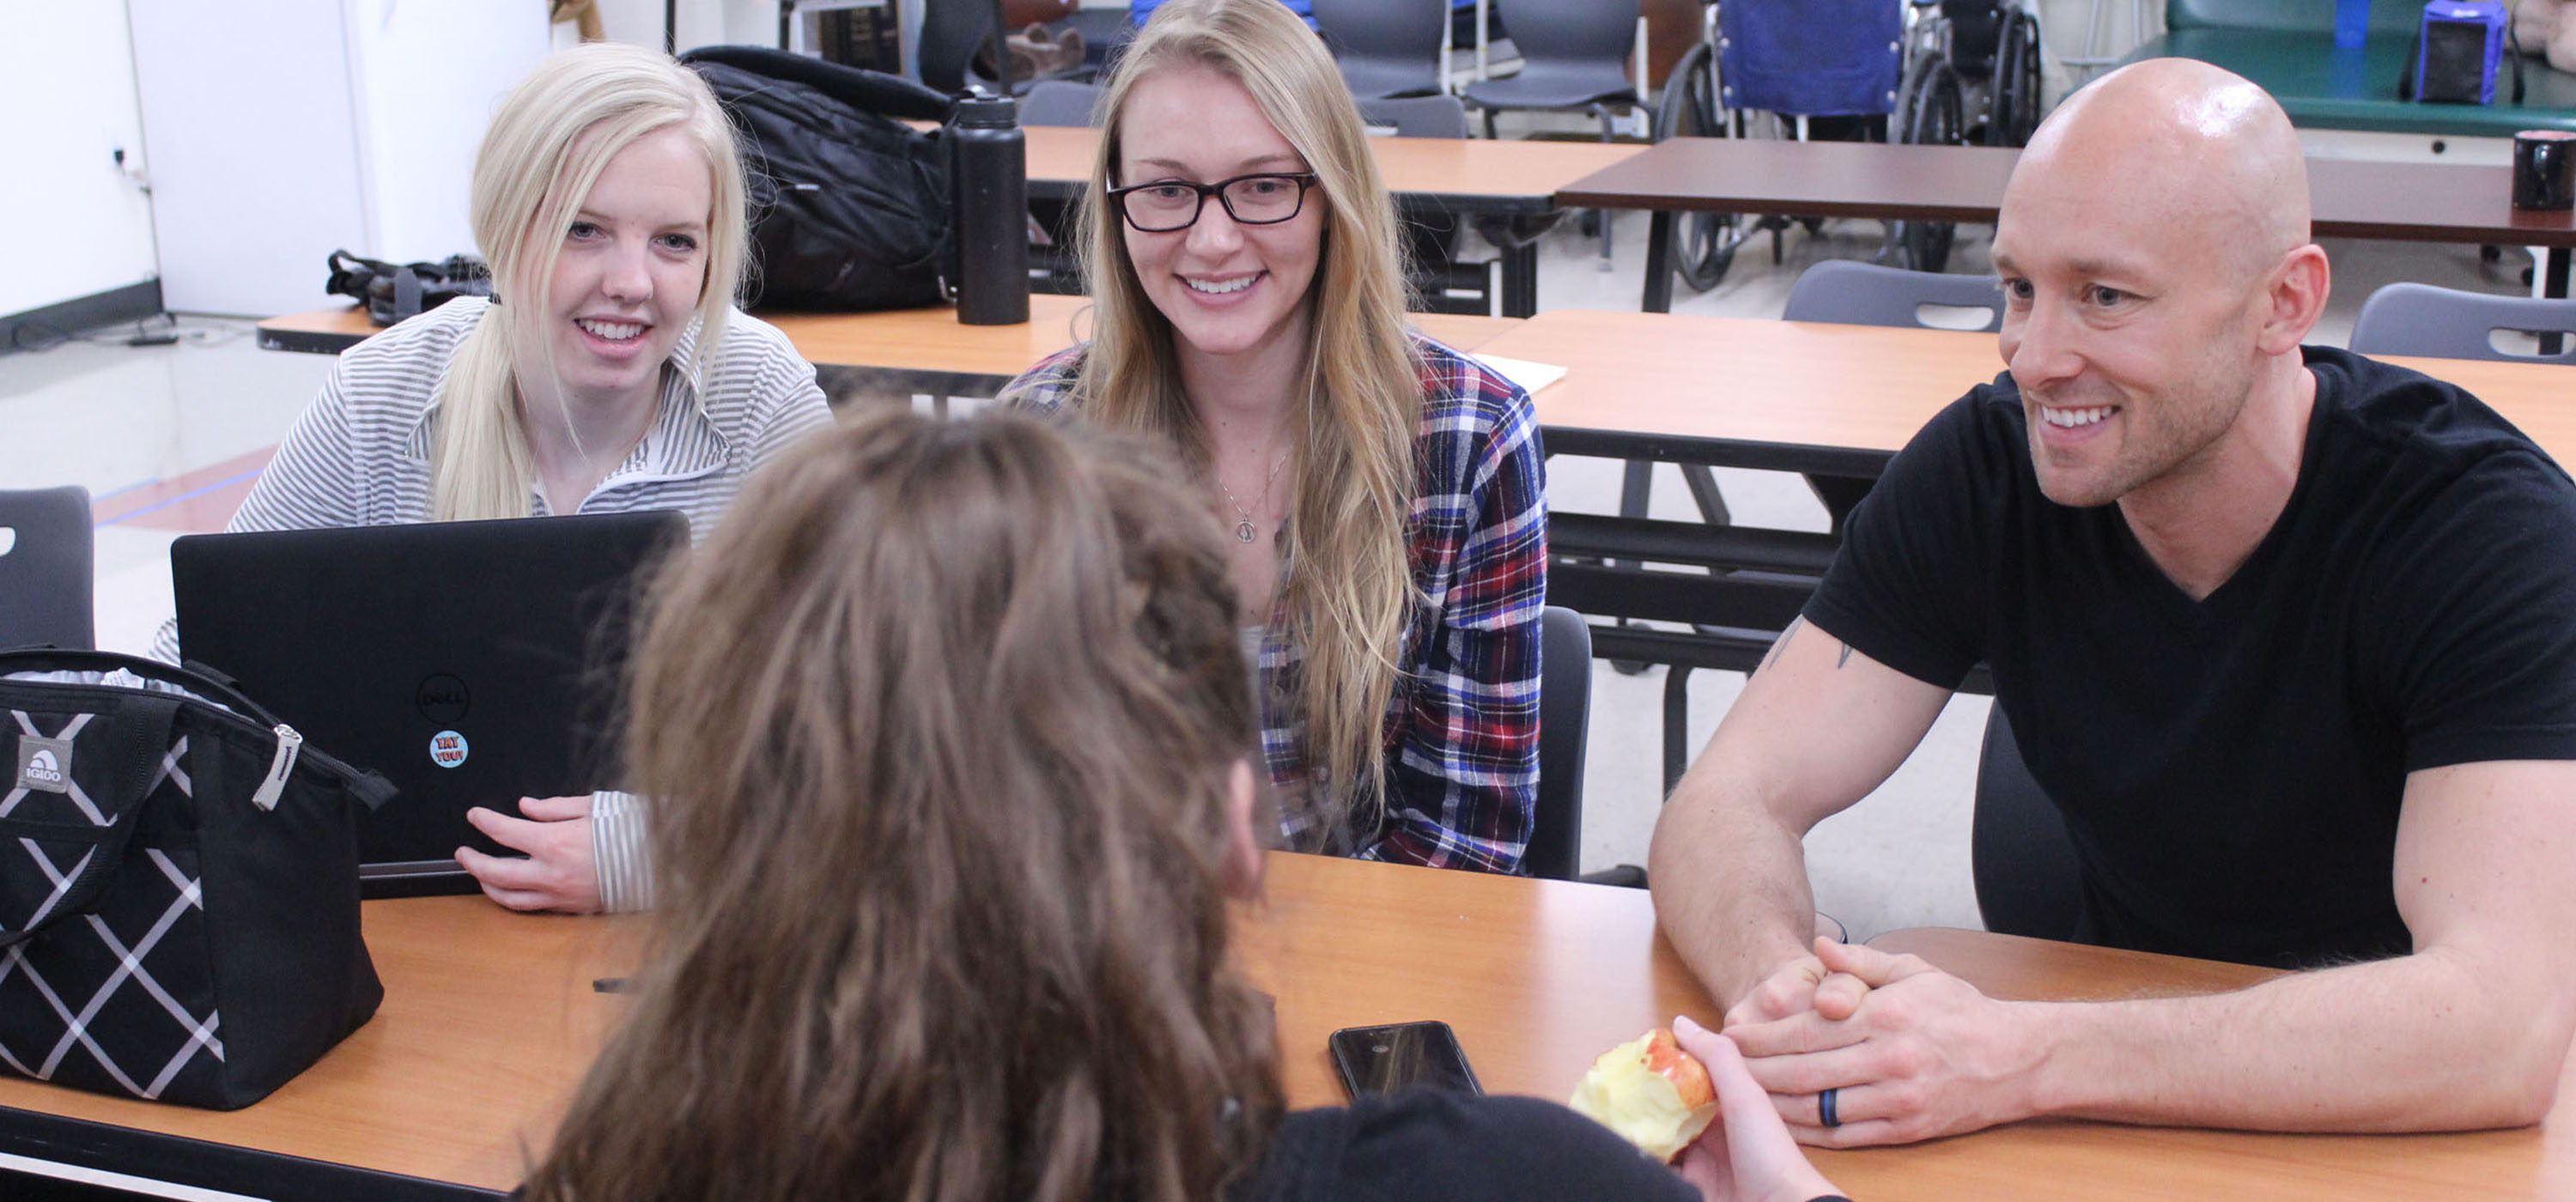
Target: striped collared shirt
360 454
1461 734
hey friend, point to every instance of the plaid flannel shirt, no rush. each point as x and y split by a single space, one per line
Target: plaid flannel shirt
1461 734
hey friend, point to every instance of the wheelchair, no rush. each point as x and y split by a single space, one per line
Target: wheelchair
1920 72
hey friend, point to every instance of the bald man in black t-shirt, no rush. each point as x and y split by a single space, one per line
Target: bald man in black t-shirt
2288 635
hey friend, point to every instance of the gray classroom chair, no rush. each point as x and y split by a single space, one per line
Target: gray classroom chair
1866 294
1574 55
952 33
1564 723
1065 103
47 569
2019 855
1387 47
1441 116
1431 231
2419 319
1060 102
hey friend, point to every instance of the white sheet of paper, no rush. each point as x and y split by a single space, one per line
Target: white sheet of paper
1530 376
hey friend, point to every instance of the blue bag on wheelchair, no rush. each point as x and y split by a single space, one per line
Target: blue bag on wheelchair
1810 58
2458 47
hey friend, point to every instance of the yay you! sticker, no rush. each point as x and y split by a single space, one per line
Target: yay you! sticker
447 749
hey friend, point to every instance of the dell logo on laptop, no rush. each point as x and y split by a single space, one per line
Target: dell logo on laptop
443 699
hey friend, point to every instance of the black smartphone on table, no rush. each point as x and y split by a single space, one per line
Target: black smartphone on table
1387 1060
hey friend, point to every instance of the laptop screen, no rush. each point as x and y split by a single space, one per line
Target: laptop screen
472 663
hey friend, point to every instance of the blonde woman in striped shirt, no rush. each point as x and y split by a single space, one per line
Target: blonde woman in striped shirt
611 372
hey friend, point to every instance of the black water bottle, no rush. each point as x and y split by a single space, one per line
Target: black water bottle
989 179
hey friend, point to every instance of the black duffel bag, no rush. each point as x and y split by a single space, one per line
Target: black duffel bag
178 884
849 206
395 292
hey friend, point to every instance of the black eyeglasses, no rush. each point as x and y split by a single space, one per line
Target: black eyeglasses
1173 204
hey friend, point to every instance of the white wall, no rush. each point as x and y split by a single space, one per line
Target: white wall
701 22
247 105
285 129
77 225
430 75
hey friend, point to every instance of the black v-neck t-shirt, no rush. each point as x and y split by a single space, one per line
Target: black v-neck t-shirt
1426 1146
2231 768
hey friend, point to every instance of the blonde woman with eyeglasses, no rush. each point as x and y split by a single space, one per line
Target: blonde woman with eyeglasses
610 372
1383 496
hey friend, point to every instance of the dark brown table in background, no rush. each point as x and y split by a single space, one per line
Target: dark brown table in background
2399 202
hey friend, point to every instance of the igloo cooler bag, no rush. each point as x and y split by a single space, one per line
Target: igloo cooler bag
178 884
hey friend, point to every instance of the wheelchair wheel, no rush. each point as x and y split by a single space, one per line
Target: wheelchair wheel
2016 83
1929 113
1703 243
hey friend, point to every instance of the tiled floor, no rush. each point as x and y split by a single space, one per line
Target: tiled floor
168 438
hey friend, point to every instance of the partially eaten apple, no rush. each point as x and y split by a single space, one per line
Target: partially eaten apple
1651 1092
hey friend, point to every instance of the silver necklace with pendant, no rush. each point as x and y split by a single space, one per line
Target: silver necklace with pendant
1246 530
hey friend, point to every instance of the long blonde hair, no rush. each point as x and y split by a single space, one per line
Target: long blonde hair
547 144
941 724
1350 596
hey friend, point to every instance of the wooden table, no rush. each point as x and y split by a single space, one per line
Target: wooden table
1787 396
2406 202
899 352
1473 176
490 1018
1835 399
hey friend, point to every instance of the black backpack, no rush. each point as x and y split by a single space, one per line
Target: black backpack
849 207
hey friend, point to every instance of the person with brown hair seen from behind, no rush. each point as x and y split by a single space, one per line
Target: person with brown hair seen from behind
2287 635
952 735
1386 494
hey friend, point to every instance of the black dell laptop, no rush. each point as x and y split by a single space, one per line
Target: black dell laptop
472 663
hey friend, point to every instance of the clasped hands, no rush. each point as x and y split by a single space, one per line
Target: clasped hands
1912 1052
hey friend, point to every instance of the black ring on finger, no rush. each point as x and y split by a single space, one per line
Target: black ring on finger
1825 1108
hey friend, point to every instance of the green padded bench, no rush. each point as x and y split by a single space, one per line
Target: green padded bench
2287 46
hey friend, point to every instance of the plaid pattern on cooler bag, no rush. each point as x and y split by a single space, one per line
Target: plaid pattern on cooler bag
178 884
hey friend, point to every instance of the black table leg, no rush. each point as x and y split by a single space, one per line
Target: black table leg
1659 263
1520 279
2553 284
1676 725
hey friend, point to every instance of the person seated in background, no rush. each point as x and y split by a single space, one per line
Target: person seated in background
1386 494
610 372
2288 635
951 735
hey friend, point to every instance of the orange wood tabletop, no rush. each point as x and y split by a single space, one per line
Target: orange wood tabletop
934 340
919 340
489 1018
1749 381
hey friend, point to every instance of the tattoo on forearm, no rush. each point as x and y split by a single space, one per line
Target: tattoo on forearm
1777 644
1844 659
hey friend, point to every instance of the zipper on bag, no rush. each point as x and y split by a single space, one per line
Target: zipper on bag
288 744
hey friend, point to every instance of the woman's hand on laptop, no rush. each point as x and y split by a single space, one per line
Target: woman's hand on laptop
559 871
